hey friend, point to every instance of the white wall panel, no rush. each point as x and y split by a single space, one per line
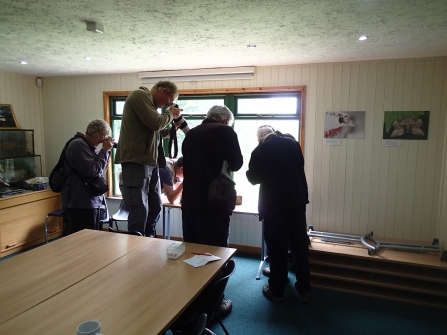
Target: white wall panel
22 93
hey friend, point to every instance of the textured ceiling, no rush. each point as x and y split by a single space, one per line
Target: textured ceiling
52 37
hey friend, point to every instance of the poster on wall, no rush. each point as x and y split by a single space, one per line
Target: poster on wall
406 125
7 117
344 125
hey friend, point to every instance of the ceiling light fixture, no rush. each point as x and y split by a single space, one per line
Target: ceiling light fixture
226 73
94 27
23 62
251 46
87 58
363 37
163 52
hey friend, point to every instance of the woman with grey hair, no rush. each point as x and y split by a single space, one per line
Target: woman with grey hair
221 114
205 149
84 161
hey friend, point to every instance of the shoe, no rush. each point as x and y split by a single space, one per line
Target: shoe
266 272
269 294
305 297
225 308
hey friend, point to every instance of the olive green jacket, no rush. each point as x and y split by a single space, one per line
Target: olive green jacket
140 127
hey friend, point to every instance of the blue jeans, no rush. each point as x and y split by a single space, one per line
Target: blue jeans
142 197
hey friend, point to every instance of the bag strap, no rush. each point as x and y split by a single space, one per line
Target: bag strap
173 140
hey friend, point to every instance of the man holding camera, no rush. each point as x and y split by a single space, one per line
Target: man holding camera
84 161
139 154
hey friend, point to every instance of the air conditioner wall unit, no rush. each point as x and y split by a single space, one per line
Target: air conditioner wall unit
225 73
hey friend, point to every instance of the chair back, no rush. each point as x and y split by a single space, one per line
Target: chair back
121 214
137 233
216 292
199 327
206 302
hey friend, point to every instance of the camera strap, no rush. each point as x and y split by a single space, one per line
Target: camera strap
173 141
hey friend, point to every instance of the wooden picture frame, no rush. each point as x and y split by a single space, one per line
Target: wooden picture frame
7 118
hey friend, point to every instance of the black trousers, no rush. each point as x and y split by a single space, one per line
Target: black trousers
82 218
288 225
212 228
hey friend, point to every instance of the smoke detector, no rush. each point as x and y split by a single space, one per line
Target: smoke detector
94 27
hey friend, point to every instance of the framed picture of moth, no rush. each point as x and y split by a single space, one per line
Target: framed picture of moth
406 125
7 117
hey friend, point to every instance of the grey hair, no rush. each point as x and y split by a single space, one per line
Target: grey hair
220 113
263 132
98 126
172 88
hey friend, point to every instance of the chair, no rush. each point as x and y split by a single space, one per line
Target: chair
103 216
137 233
207 303
58 213
121 215
200 325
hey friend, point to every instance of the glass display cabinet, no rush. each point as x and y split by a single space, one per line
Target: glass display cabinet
17 159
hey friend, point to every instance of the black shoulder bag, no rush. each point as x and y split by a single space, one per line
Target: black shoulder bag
221 190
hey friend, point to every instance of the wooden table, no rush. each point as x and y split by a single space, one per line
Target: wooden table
138 292
240 209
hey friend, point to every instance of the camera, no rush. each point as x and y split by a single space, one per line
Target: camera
115 145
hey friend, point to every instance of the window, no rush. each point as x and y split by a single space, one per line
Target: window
116 105
279 107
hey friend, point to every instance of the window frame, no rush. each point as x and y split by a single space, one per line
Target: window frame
108 95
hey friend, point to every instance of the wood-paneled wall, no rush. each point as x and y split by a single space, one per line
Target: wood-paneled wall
356 187
24 96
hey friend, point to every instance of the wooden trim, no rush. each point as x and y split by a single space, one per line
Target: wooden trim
106 105
267 89
302 117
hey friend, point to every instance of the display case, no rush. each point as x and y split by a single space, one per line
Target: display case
16 142
15 170
18 161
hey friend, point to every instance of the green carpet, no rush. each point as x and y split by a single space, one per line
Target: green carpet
329 313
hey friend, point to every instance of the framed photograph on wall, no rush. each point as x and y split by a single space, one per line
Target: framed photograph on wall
406 125
7 117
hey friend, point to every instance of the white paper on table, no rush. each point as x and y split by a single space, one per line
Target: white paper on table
199 260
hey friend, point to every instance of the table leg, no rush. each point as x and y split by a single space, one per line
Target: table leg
263 255
166 220
169 223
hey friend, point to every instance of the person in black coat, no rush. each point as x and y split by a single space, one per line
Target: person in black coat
208 149
277 164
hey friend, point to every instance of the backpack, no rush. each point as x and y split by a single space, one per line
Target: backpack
57 177
98 185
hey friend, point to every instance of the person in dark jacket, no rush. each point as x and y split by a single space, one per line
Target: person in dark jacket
277 164
206 149
82 155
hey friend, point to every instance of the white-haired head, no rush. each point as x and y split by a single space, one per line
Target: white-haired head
264 132
221 114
